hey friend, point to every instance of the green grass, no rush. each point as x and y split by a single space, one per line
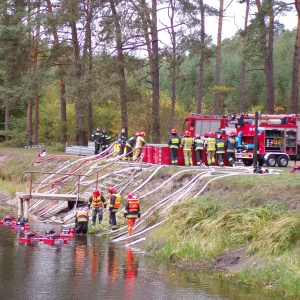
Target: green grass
202 230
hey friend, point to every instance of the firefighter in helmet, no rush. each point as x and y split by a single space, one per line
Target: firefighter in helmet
132 211
96 204
174 143
81 221
130 144
187 144
113 203
97 137
140 142
220 149
211 149
105 139
230 146
199 146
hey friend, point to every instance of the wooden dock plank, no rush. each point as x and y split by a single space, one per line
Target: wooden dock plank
66 197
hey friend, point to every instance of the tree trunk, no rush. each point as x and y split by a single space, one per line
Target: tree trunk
122 81
296 65
152 49
6 115
218 59
80 136
88 58
268 59
63 103
202 58
34 67
243 73
155 75
173 64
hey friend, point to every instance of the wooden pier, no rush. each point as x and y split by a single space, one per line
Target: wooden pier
24 201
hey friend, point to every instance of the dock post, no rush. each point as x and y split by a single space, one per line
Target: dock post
26 209
20 208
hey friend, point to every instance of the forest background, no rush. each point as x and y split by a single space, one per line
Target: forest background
69 66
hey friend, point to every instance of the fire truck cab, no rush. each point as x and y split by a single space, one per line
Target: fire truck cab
277 136
202 124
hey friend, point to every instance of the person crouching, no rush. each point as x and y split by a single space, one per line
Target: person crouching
81 221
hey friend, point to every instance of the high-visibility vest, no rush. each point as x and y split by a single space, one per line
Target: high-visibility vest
198 144
187 143
220 144
82 216
117 202
96 201
132 208
211 144
134 205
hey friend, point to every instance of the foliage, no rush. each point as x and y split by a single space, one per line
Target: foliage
95 78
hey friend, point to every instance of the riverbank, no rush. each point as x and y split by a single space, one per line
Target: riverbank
246 228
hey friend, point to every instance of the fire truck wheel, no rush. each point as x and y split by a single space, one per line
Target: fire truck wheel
282 161
271 161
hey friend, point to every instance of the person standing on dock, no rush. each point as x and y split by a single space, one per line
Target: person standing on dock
132 211
113 204
96 204
81 221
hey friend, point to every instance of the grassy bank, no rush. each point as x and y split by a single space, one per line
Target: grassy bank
249 228
15 161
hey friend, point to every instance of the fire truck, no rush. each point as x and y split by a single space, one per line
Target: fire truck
277 136
202 124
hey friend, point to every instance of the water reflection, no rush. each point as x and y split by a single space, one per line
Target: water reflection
90 267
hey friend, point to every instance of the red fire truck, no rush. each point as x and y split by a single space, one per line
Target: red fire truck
277 136
201 124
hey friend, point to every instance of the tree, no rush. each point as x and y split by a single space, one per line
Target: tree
121 63
148 19
243 71
60 65
296 65
218 58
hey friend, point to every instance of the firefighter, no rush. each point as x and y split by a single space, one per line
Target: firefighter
174 143
199 146
187 143
130 144
220 149
132 211
230 146
113 204
122 141
211 149
140 142
81 221
96 203
105 139
97 137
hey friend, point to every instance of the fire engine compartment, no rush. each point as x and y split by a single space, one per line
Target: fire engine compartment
277 135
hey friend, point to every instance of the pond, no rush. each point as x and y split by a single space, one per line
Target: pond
92 267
